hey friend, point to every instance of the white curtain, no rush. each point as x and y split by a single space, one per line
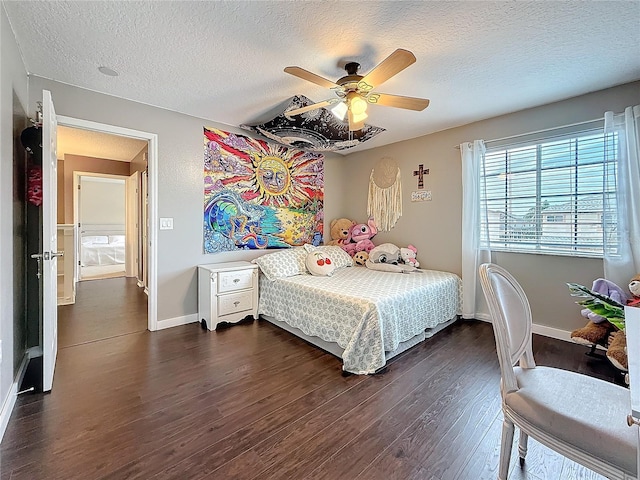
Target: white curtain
472 255
623 262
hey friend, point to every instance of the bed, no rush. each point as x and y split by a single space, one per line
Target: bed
363 316
102 247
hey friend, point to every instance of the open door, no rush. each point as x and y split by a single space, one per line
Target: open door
49 252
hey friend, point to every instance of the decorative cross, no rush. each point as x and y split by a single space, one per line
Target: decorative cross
420 173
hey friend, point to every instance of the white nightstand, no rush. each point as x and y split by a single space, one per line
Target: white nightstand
227 292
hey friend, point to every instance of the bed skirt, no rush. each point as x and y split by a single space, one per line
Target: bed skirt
336 350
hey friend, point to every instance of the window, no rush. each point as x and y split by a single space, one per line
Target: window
555 195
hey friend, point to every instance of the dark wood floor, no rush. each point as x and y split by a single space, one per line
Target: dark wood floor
253 402
103 309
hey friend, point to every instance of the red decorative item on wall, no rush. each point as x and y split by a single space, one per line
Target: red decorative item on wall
34 185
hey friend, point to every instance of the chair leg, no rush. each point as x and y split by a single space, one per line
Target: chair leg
522 446
505 449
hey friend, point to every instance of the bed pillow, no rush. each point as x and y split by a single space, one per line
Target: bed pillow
116 239
95 240
320 264
339 257
284 263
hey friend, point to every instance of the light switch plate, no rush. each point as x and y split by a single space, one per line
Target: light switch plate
166 223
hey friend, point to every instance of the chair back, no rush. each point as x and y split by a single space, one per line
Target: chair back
511 317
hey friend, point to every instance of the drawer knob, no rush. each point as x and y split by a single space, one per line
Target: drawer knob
236 303
236 280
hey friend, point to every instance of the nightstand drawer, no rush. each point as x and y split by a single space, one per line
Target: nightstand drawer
235 302
232 281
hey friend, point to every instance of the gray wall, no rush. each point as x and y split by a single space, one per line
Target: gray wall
180 183
79 163
435 227
13 101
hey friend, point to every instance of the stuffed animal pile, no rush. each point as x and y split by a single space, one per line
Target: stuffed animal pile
353 237
356 239
599 330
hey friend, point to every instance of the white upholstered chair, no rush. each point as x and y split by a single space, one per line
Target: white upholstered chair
580 417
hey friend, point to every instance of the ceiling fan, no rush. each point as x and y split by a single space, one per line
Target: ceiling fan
354 91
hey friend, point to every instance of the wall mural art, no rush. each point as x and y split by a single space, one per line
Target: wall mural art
317 130
259 194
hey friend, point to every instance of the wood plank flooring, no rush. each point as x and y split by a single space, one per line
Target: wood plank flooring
254 402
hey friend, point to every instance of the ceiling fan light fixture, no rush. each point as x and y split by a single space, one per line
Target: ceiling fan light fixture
358 105
340 110
359 117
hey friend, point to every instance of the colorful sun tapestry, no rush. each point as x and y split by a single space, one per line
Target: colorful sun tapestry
259 194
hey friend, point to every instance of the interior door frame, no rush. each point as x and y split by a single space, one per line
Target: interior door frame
77 194
152 169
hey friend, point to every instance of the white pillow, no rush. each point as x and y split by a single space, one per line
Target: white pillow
284 263
320 264
340 258
95 240
116 239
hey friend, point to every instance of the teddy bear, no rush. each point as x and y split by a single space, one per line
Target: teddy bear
408 255
597 329
359 237
340 228
617 351
360 258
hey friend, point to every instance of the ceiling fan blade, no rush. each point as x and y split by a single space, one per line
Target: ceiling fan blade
310 77
390 66
313 106
410 103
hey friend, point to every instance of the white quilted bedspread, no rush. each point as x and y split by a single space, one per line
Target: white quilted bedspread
365 312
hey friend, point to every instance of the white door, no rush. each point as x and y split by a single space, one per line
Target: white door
49 241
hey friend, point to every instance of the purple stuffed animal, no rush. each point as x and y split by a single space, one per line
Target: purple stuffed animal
608 289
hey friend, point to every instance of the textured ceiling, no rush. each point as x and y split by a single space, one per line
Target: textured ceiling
224 61
97 145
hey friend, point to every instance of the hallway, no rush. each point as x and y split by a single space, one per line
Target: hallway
104 309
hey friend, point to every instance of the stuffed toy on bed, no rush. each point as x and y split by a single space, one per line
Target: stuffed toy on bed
359 238
408 256
340 228
360 258
386 258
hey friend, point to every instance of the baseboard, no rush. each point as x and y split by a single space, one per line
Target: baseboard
551 332
10 401
176 321
543 330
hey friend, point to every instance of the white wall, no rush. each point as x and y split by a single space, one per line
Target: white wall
180 183
435 227
13 87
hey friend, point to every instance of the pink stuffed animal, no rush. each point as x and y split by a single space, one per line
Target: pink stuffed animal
408 256
359 238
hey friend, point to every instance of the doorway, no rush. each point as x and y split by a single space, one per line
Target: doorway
99 197
101 219
147 268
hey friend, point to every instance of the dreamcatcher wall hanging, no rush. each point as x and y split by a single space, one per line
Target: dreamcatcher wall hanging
385 194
